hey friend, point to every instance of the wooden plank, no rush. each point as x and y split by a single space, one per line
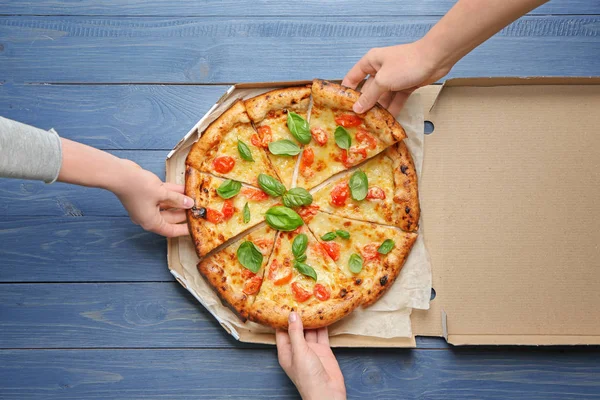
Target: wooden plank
20 197
80 249
115 315
111 116
213 50
225 374
263 7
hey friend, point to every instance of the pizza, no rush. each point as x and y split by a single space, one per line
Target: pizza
301 204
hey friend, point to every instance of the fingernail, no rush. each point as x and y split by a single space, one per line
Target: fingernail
187 202
293 317
358 108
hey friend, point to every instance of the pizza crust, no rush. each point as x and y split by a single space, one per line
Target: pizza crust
318 315
294 99
378 120
392 265
208 144
406 193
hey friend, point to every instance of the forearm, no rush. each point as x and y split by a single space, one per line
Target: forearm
470 23
86 166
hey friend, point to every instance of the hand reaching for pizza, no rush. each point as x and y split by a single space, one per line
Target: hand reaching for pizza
307 359
394 73
397 71
154 205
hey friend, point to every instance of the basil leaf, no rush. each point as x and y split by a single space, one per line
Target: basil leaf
328 236
245 151
297 197
302 258
355 263
298 127
359 185
305 269
283 218
342 138
270 185
299 245
284 147
246 213
229 188
343 234
250 256
386 246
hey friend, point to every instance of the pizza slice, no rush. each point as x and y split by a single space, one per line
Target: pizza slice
223 209
371 255
273 114
224 148
236 271
301 277
342 139
385 193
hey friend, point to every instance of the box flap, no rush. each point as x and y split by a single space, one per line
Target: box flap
510 189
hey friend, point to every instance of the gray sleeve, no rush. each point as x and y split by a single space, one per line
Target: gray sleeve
29 153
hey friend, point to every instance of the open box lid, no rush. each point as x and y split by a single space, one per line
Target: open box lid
510 195
510 212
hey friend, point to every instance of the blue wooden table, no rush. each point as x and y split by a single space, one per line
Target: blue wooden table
87 306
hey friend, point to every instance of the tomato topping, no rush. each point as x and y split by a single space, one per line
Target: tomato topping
308 158
321 292
308 212
362 136
280 274
266 136
340 194
247 274
253 285
348 120
255 140
228 209
353 156
254 194
300 294
375 192
369 252
320 135
333 249
223 164
214 216
263 244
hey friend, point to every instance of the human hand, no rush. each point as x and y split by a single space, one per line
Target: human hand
394 73
154 205
308 361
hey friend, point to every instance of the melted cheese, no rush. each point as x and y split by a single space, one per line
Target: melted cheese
379 171
243 171
327 160
284 165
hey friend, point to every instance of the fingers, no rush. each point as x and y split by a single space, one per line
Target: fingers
296 332
284 348
174 187
398 101
171 230
177 200
368 97
365 66
323 336
386 99
173 216
310 336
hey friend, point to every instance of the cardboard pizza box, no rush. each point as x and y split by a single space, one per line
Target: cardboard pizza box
510 194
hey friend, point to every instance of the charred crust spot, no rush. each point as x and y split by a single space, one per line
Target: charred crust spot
223 288
343 293
223 279
320 317
285 111
383 280
407 210
267 97
358 281
404 168
205 190
347 223
221 237
199 212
